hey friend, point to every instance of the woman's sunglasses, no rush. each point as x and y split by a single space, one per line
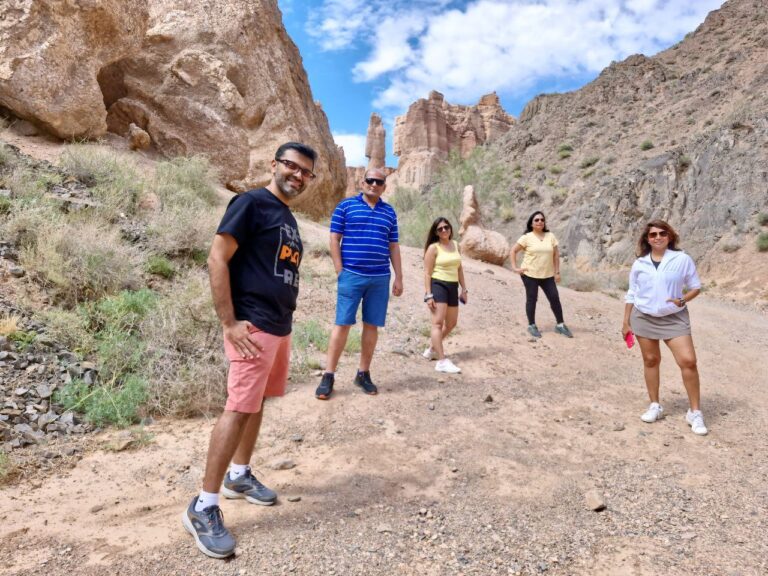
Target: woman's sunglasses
443 228
661 234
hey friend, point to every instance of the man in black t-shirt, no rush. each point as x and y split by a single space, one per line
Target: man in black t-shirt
254 273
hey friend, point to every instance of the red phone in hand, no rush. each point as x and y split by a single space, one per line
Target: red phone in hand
630 339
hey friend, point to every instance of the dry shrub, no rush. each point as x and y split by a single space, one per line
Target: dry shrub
27 221
25 184
113 178
581 281
186 181
187 374
9 324
182 230
81 260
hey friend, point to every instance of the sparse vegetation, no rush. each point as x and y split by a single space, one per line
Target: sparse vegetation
729 246
507 213
540 166
555 170
762 218
588 162
762 242
646 145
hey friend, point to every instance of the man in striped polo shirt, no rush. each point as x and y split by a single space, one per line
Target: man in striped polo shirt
363 242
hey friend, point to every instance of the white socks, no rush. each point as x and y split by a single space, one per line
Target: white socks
205 500
237 470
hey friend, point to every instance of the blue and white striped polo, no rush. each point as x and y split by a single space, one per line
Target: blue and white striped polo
366 235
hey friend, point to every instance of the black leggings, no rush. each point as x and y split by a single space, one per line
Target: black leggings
532 294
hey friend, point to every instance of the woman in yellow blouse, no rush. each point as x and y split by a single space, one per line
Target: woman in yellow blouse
540 268
443 275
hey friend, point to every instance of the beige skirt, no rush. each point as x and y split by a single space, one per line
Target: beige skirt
660 327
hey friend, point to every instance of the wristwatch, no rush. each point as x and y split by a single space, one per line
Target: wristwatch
428 297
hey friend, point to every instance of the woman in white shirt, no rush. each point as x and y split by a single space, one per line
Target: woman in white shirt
656 310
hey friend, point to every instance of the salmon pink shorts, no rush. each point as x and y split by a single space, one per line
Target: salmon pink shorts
252 380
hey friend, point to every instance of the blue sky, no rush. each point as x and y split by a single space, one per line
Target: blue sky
366 56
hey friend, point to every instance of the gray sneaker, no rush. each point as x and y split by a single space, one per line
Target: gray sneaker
534 331
207 528
248 487
563 329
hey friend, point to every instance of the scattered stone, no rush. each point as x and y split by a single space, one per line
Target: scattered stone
97 508
488 399
618 426
294 498
284 464
138 139
430 406
297 438
594 501
16 271
384 528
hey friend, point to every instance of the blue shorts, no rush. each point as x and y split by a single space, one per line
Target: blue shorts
372 290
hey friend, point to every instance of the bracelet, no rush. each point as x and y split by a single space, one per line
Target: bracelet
465 291
428 297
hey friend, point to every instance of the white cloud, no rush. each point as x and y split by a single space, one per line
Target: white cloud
354 148
502 45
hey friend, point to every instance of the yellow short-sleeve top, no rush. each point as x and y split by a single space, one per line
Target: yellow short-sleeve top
539 252
447 263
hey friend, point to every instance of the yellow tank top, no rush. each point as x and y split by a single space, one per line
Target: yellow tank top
447 264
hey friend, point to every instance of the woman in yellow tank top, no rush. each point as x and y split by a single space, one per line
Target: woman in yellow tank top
443 275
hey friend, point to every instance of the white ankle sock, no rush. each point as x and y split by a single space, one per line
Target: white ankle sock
237 470
205 500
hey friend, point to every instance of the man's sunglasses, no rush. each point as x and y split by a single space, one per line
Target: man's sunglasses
293 167
660 234
376 181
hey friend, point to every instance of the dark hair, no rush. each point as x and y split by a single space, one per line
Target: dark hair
302 149
432 236
644 248
529 224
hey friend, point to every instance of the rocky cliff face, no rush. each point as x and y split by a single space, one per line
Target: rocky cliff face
681 136
218 77
433 128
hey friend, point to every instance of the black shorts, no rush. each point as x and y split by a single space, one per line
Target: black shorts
445 292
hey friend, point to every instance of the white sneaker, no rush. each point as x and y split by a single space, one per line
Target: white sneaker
429 354
654 412
445 365
695 420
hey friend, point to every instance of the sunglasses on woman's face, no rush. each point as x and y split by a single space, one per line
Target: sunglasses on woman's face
538 219
443 228
660 234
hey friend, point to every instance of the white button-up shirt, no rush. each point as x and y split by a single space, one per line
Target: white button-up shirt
651 287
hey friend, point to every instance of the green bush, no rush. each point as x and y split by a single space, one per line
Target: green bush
762 218
107 404
762 242
5 206
161 266
563 154
556 170
565 148
7 156
540 166
646 145
684 162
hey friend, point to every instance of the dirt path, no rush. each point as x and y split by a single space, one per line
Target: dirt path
482 473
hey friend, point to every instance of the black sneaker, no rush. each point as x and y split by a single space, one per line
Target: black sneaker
207 527
325 389
363 379
248 487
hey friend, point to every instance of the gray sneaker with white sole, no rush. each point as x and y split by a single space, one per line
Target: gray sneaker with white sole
248 487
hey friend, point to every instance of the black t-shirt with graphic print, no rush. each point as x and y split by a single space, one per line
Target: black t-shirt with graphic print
264 271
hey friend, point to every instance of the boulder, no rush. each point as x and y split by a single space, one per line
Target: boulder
138 139
477 242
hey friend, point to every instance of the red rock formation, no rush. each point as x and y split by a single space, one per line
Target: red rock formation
375 147
219 78
432 129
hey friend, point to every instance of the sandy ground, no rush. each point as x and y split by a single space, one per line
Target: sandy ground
480 473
